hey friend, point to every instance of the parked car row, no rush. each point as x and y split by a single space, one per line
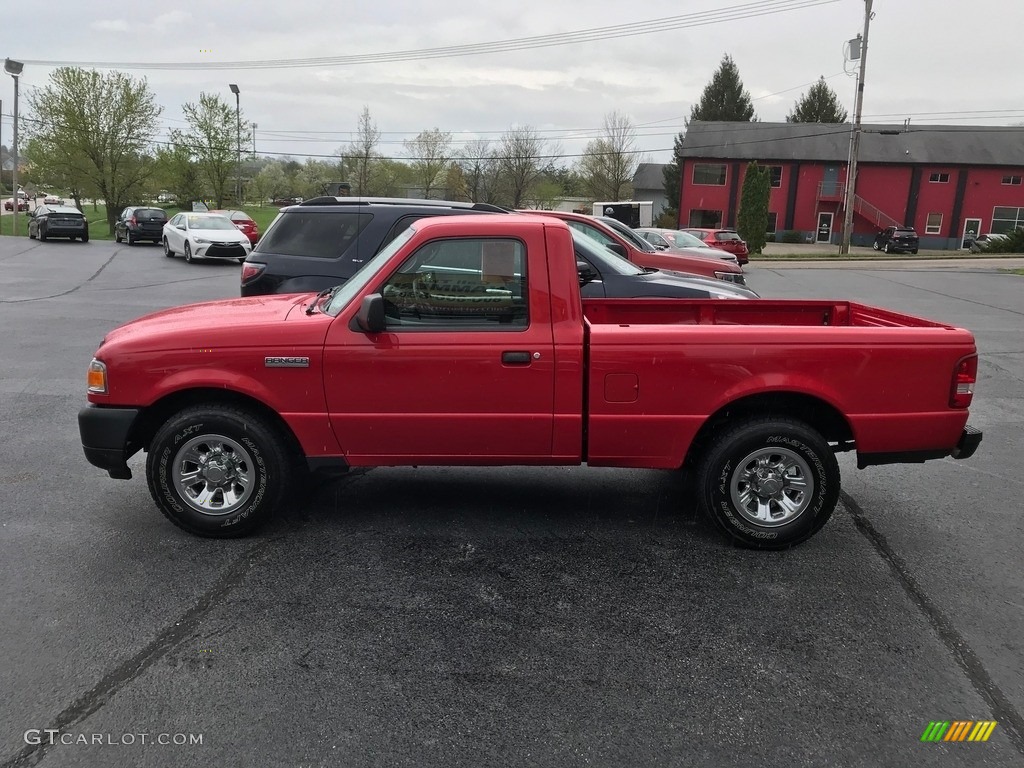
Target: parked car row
324 241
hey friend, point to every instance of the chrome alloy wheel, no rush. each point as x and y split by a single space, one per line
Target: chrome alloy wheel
771 486
214 474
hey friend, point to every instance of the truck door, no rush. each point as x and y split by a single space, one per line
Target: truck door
464 372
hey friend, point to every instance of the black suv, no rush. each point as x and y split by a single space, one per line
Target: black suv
323 241
896 240
140 223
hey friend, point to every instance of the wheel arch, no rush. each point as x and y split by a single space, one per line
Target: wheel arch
156 414
813 411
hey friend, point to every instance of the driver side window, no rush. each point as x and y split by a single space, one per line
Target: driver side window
461 284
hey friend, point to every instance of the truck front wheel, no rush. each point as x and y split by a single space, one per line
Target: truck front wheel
218 471
769 483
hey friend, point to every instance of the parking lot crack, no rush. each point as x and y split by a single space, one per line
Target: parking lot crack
85 282
122 675
1003 710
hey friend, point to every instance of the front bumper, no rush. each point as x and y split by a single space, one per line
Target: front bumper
104 433
221 250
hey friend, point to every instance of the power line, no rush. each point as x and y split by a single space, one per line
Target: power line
632 29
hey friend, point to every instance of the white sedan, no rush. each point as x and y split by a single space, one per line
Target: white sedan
204 236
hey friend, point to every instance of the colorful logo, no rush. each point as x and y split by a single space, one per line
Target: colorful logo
958 730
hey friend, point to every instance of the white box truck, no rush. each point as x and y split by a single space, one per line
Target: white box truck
632 213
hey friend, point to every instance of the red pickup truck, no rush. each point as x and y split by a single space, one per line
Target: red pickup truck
465 342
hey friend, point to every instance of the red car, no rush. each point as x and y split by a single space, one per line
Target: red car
725 239
22 204
637 250
241 220
466 342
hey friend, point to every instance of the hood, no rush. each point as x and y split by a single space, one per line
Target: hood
257 321
219 235
717 289
705 253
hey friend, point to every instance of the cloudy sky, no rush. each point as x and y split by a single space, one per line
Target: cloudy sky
934 61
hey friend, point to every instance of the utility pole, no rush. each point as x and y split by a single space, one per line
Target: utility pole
851 171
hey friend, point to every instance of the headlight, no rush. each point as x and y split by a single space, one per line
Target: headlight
731 277
97 377
202 240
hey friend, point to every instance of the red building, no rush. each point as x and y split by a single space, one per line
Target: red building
948 182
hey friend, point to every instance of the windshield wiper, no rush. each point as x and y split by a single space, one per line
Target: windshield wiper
326 293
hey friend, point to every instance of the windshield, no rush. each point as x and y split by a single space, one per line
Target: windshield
209 222
363 275
603 260
686 240
634 239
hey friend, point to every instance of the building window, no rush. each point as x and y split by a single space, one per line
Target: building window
705 219
1014 180
776 175
939 178
934 224
773 219
709 173
1005 220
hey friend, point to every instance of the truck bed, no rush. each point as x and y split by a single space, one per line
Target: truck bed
790 312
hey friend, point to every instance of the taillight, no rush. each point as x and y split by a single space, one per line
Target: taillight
251 270
964 376
132 221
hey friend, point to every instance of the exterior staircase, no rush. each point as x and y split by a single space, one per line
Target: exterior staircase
834 190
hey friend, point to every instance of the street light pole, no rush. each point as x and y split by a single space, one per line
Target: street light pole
238 142
254 127
851 171
13 68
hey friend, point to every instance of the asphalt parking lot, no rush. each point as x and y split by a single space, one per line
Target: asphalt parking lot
505 616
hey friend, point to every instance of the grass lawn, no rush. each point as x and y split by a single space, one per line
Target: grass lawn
97 217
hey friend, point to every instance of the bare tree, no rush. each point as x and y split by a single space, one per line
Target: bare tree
480 171
610 162
520 156
360 155
93 131
430 153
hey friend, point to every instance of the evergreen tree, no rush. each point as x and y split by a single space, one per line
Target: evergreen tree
819 105
723 98
752 219
670 175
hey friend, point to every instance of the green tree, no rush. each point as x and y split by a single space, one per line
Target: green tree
610 161
271 181
819 105
670 174
724 98
212 138
752 219
92 131
178 173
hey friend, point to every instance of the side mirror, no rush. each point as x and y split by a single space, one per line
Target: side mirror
370 317
617 248
586 272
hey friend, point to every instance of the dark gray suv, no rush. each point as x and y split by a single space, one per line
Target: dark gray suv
323 241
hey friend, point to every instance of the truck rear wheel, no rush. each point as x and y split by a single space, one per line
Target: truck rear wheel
218 471
769 483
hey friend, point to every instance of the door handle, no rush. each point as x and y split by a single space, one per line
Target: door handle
515 358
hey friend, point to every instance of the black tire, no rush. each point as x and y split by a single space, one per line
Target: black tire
888 248
914 252
30 235
167 249
85 238
128 236
42 234
785 451
117 237
188 252
249 446
876 246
